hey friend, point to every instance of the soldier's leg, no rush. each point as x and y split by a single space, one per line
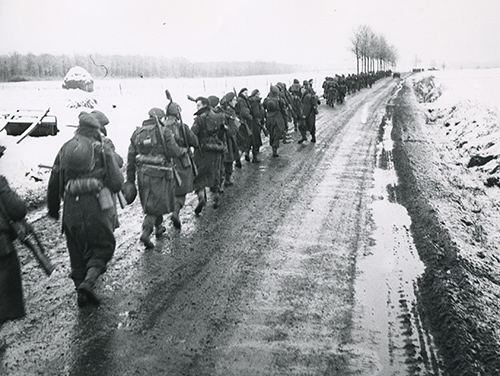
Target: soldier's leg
228 174
147 229
179 203
100 247
202 200
255 153
76 255
159 228
274 140
312 128
217 182
303 130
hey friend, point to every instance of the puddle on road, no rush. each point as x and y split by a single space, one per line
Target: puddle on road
387 286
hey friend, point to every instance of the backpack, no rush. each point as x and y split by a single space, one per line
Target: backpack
146 139
78 155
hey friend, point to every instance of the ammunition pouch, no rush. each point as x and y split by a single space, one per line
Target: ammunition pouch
185 160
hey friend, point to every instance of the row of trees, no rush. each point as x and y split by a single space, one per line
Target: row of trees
17 67
372 50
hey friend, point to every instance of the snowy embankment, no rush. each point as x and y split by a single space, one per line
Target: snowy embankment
462 107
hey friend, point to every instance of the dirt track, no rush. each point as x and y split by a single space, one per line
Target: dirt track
283 279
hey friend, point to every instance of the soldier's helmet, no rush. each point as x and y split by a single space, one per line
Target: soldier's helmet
275 90
173 109
213 101
102 119
156 112
129 192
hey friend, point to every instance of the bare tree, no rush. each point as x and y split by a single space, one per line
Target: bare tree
356 48
372 50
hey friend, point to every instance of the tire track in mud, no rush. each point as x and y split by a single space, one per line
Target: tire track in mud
449 295
391 267
166 309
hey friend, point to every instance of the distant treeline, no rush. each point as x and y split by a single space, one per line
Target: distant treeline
19 67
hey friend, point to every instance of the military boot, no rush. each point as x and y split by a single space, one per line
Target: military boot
313 138
145 238
228 181
176 222
247 157
275 153
237 164
201 202
86 288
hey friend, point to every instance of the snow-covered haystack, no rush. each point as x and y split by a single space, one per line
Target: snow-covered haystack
78 78
427 90
470 128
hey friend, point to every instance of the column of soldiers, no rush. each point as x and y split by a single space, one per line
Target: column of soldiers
166 160
336 88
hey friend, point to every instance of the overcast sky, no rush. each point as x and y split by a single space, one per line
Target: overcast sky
307 32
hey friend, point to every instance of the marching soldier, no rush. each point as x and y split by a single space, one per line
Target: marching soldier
289 114
258 114
231 153
295 91
184 164
150 154
275 118
208 127
309 111
86 174
246 118
11 290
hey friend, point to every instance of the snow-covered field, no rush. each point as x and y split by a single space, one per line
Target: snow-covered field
126 103
466 117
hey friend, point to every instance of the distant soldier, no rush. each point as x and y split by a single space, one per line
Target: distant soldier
213 103
275 118
11 290
208 127
184 138
295 91
309 111
289 114
231 152
150 154
245 129
258 115
85 174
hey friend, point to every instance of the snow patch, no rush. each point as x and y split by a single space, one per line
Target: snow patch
464 119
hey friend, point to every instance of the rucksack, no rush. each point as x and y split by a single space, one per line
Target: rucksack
146 139
78 155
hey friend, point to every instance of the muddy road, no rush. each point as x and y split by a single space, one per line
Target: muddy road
307 268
